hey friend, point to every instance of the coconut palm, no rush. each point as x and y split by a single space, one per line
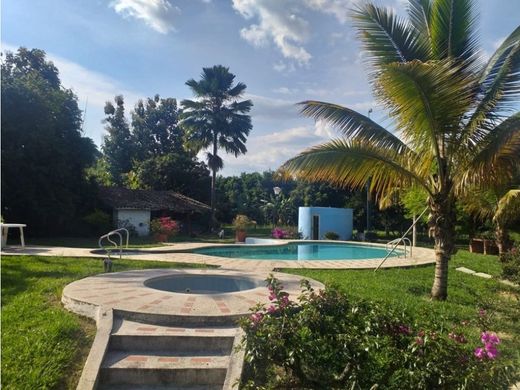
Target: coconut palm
454 116
216 119
501 207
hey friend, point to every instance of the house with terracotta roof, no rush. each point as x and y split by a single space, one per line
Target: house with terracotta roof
136 208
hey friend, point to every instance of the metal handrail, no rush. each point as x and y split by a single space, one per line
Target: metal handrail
402 238
120 246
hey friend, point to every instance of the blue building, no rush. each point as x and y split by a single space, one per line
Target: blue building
314 222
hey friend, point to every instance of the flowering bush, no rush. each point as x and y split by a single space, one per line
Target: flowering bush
288 232
511 265
323 340
278 233
164 228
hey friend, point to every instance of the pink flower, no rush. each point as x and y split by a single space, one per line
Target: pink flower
479 353
256 318
489 338
271 309
272 296
481 313
491 351
419 341
284 300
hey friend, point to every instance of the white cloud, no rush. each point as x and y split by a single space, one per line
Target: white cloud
282 23
269 151
338 8
157 14
285 90
279 22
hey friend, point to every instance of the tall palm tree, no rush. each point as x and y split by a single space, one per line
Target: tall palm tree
501 207
216 119
454 115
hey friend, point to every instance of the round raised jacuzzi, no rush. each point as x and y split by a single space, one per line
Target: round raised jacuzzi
202 284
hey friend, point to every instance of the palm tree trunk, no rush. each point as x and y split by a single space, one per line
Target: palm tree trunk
441 223
213 184
502 239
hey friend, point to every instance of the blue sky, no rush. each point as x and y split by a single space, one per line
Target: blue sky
284 50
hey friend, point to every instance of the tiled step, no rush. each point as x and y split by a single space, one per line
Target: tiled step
130 328
180 345
152 368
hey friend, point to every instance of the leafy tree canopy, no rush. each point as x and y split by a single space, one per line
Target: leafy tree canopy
44 154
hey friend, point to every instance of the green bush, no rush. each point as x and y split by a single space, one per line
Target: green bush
99 221
329 341
332 236
511 265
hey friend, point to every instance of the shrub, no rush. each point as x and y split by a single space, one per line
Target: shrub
288 232
164 228
242 222
329 341
511 265
99 221
278 233
332 236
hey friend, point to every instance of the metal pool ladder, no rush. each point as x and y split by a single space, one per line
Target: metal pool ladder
402 239
107 236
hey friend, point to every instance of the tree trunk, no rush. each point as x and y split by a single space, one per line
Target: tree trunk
213 185
442 229
502 239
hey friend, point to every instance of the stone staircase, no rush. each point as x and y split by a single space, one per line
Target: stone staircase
148 356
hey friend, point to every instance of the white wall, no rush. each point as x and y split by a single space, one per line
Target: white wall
140 219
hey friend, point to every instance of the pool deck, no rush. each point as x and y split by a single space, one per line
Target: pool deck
420 256
126 291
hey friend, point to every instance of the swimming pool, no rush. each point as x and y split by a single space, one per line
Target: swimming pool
298 251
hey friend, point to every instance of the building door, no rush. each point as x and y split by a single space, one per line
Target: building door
315 227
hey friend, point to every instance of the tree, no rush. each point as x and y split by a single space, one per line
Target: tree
454 115
155 130
44 154
501 207
117 145
149 153
216 119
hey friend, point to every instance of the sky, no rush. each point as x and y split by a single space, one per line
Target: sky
285 51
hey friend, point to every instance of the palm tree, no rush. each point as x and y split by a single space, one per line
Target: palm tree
216 119
455 116
502 207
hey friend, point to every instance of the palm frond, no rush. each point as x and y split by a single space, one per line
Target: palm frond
508 209
498 156
387 37
352 124
419 12
481 204
453 31
349 163
511 41
428 101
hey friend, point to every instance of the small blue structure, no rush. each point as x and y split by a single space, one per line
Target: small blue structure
314 222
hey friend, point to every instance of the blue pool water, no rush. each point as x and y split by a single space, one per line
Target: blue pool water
298 251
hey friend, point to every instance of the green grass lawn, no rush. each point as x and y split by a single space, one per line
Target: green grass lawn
43 345
408 289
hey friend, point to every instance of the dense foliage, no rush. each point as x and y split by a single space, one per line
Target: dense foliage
511 264
149 152
331 341
44 154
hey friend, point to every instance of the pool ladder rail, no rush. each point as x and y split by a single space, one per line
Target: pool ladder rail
108 238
